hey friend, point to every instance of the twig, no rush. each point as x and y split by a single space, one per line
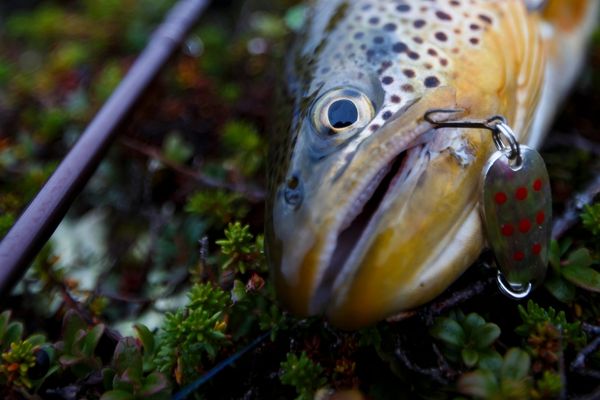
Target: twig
592 396
251 192
439 374
589 328
432 310
578 365
573 140
570 216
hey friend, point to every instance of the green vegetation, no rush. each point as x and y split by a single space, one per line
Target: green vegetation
303 374
158 273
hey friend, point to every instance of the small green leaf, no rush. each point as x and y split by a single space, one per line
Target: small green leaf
580 257
449 331
238 292
473 321
554 255
176 149
485 335
4 318
563 290
584 277
108 376
490 360
516 364
155 384
146 337
565 245
117 395
14 332
91 340
36 340
470 357
127 357
481 384
72 324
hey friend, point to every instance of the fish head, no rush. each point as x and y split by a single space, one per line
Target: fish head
374 211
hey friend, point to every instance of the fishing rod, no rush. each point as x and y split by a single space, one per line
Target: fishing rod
37 223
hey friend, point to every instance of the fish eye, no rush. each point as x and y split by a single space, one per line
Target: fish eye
341 110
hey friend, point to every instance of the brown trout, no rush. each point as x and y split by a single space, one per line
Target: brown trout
371 210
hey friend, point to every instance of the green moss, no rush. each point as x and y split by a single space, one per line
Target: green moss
303 374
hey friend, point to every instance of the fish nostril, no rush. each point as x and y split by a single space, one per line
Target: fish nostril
342 114
293 193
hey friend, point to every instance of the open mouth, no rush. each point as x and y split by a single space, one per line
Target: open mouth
361 213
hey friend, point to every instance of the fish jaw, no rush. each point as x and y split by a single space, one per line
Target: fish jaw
357 259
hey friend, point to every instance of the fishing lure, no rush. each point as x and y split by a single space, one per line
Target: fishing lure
373 209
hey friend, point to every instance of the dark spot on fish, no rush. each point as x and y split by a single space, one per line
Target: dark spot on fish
390 27
418 40
359 35
385 65
474 41
419 23
441 36
432 81
413 56
408 88
367 7
325 70
444 62
455 3
370 53
403 8
378 40
293 193
374 20
387 80
432 52
363 46
443 16
399 47
374 127
485 18
386 115
395 99
428 66
474 27
409 73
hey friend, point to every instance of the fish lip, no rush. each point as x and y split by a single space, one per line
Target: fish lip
332 276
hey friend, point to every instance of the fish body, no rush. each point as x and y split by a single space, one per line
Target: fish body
372 211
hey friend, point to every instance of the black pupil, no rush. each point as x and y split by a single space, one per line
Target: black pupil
342 114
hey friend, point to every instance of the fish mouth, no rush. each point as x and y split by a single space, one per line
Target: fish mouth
361 217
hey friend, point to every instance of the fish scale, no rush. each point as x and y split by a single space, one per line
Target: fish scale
343 241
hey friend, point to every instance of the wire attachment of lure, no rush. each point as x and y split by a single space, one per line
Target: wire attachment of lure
516 204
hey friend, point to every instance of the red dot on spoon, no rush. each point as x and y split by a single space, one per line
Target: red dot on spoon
540 217
524 226
500 198
521 193
507 230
